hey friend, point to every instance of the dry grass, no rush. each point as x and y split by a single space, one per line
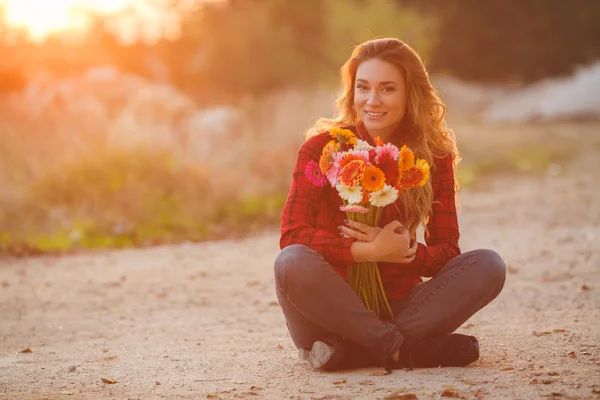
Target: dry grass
64 185
536 148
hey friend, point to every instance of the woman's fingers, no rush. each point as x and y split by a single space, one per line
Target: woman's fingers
408 260
359 226
364 232
395 226
411 251
347 232
413 243
409 256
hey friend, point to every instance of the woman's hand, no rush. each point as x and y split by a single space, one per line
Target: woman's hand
394 244
397 245
411 253
359 231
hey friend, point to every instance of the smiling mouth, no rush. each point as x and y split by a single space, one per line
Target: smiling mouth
375 114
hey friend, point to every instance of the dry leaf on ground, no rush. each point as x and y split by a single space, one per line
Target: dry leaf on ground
401 396
381 373
451 392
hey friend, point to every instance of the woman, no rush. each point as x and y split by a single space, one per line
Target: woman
386 93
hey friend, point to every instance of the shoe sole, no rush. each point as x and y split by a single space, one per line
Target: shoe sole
476 348
318 356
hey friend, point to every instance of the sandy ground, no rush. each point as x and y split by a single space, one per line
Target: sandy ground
202 321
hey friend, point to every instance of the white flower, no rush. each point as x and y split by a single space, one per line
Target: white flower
352 195
362 145
384 197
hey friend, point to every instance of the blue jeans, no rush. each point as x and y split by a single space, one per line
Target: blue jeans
319 305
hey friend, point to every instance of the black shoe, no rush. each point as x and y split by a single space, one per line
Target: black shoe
453 350
320 354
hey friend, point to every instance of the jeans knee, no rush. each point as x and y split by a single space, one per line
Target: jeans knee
492 268
288 264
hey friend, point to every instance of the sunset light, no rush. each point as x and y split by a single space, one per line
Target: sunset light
43 17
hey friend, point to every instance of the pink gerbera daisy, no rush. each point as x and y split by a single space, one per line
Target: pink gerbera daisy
362 154
333 174
314 174
354 208
386 152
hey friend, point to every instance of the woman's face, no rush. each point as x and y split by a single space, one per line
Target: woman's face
379 97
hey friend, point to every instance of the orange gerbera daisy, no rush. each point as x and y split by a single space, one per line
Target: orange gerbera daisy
344 136
365 198
352 173
373 179
406 159
326 160
415 176
347 158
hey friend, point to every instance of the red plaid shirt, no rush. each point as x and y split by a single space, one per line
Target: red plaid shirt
311 217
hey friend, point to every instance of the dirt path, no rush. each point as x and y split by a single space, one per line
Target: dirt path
198 321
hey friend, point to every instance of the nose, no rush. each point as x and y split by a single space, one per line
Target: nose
373 98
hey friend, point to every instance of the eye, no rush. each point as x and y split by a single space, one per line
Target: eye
360 86
389 89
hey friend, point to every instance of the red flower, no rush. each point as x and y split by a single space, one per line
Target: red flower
390 169
372 156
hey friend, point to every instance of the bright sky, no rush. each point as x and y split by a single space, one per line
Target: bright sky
42 17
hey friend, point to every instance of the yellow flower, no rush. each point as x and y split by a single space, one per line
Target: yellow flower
424 167
373 179
326 160
344 136
415 176
406 159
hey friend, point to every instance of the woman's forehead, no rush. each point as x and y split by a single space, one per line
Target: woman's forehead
378 71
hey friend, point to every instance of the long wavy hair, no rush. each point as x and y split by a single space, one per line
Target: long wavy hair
423 127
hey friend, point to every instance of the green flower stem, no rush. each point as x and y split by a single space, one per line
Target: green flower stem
365 278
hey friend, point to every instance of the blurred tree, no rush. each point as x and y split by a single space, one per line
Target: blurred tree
242 46
351 23
512 40
232 48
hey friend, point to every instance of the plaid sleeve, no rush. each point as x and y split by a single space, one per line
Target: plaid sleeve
442 241
300 212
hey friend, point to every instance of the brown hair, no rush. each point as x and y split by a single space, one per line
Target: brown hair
423 127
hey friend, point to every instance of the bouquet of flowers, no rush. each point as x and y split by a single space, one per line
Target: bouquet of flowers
367 178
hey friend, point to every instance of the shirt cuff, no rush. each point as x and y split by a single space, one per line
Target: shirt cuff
345 253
